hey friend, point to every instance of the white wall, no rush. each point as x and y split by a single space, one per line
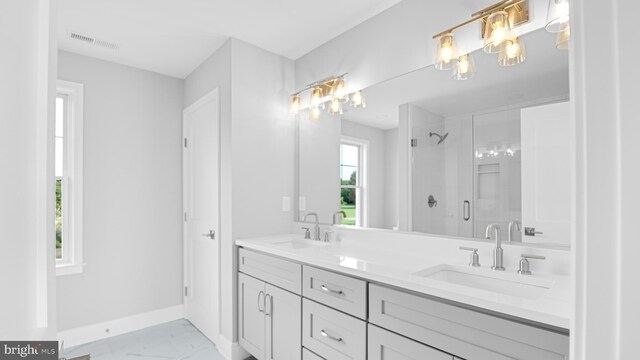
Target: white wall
27 273
607 316
132 194
377 169
318 170
257 153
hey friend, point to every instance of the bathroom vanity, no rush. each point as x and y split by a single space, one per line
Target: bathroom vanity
353 299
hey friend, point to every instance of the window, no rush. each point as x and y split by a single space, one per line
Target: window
68 173
353 180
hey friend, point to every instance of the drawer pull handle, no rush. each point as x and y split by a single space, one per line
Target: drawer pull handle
324 333
261 294
326 289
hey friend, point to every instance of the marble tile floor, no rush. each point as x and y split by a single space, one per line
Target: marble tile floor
173 340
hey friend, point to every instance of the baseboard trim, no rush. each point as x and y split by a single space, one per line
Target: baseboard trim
103 330
231 350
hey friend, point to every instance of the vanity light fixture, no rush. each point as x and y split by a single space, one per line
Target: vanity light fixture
445 52
513 52
332 90
498 21
465 68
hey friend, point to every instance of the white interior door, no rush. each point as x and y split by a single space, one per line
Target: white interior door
546 172
201 191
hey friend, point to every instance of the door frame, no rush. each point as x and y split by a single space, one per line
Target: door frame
213 95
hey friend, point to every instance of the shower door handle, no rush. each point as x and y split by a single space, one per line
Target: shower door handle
466 210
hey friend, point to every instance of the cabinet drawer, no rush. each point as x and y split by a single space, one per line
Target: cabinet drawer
385 345
332 334
308 355
338 291
276 271
465 333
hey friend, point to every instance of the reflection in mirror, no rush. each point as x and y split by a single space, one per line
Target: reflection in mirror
434 155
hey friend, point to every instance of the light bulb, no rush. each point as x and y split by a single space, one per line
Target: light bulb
316 97
339 90
497 30
445 52
357 99
315 113
295 105
336 106
562 38
557 15
465 68
513 52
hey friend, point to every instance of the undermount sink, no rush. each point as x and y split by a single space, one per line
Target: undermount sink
511 284
299 243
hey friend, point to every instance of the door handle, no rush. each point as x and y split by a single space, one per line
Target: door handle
211 234
324 333
326 289
531 231
261 293
270 298
466 210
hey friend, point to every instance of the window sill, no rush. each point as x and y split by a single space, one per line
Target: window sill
68 269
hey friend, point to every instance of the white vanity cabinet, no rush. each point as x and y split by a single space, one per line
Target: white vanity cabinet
465 333
293 311
269 317
385 345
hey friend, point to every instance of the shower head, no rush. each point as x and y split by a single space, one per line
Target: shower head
441 137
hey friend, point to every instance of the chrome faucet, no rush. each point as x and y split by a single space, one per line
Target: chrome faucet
518 228
341 213
497 251
316 229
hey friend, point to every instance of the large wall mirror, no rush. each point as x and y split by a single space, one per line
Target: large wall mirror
434 155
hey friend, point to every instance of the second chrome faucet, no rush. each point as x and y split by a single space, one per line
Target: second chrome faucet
497 251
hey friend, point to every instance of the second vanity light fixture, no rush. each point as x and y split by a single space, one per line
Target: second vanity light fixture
332 91
498 21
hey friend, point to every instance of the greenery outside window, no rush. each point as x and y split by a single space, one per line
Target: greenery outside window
68 176
353 179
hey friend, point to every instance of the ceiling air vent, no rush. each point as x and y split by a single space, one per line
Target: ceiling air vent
93 41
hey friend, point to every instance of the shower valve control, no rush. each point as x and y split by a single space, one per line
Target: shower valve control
474 258
531 231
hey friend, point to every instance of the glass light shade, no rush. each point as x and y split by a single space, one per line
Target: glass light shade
496 31
316 97
314 113
339 90
513 52
357 99
465 68
445 52
336 106
557 15
295 105
562 38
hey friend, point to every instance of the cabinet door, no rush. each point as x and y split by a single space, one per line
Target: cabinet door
385 345
284 324
251 319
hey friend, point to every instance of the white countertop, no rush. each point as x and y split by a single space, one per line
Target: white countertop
396 266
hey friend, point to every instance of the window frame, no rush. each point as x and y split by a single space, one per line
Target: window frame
72 179
361 187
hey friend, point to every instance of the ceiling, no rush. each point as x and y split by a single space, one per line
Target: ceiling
173 37
545 74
